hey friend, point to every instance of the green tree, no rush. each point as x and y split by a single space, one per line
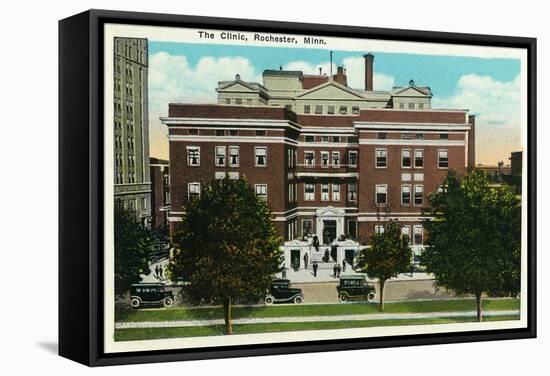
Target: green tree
388 255
226 246
132 248
474 238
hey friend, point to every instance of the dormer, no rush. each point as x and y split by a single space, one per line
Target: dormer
411 97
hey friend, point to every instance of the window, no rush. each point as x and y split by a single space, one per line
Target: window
335 138
352 192
401 105
419 158
233 175
406 231
324 192
249 102
193 132
335 192
418 177
233 156
441 188
292 193
418 194
309 158
443 159
309 138
309 192
352 158
261 156
218 175
238 101
406 161
405 195
220 155
352 228
233 132
330 110
419 136
324 159
318 109
261 191
355 110
379 229
407 136
443 136
324 138
353 139
227 100
193 191
411 106
343 110
421 106
307 226
418 235
307 109
381 158
335 159
193 156
381 135
381 194
260 133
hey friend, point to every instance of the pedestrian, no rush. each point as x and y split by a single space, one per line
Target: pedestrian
344 265
315 266
161 271
157 271
335 270
284 270
306 260
339 270
316 243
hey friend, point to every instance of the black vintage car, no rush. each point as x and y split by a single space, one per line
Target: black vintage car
281 292
150 294
354 287
159 252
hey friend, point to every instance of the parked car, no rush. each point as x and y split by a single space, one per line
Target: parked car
150 294
355 287
281 292
159 252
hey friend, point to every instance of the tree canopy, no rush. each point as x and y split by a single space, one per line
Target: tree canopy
474 237
133 245
226 246
388 255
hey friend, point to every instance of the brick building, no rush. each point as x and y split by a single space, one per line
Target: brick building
334 163
160 194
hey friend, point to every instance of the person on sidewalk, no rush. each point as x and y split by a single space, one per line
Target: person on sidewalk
284 271
344 265
306 260
338 270
335 270
315 267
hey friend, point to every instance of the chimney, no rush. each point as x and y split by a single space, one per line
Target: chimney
340 76
369 60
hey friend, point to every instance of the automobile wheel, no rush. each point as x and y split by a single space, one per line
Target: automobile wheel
343 298
135 303
269 300
154 260
168 302
370 296
298 300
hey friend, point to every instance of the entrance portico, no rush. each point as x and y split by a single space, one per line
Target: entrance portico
329 224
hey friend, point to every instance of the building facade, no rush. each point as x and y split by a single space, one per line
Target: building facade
131 128
334 164
160 194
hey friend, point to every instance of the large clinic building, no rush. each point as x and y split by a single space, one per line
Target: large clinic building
334 163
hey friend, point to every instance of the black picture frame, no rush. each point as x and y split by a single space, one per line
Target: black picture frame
81 186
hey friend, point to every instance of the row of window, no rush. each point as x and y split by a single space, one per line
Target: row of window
226 156
407 160
410 194
412 106
312 138
248 101
330 109
131 178
417 237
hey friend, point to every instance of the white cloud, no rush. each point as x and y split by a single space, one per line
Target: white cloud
355 70
173 79
496 105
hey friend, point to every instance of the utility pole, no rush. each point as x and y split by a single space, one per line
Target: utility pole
331 65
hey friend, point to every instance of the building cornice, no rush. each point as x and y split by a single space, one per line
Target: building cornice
272 123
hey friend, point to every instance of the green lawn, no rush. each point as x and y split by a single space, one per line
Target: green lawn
158 333
172 314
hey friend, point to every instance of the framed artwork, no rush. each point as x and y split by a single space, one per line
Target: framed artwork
242 187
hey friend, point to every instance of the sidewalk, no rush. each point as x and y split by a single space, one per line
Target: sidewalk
298 319
326 275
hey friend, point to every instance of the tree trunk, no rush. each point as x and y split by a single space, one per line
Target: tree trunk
227 315
381 305
478 306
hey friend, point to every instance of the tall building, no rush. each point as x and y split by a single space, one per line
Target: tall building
335 164
131 128
160 194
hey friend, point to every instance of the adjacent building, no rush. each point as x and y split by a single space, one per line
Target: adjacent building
160 194
334 163
131 129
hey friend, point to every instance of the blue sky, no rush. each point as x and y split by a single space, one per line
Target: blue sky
488 87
